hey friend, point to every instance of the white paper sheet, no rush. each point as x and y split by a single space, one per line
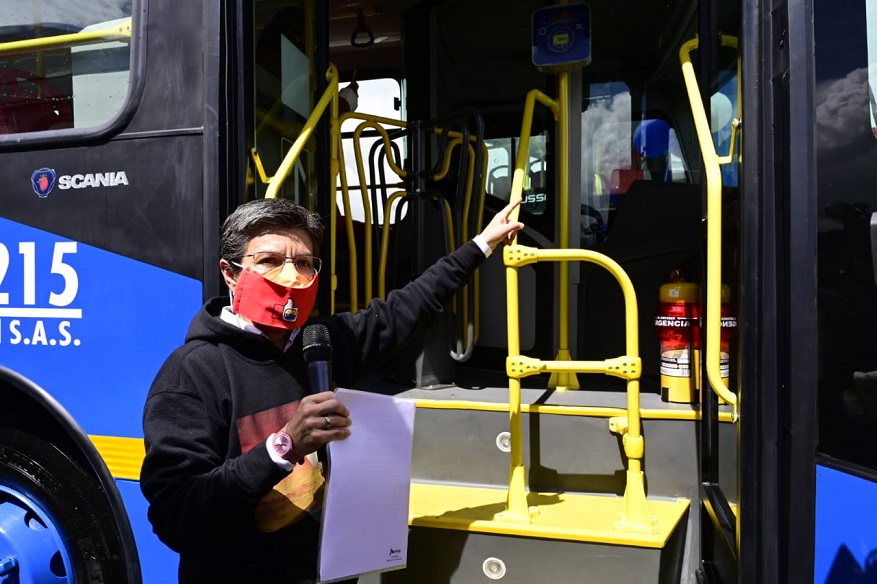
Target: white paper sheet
365 509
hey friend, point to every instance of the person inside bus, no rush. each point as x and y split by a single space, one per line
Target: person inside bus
349 98
230 419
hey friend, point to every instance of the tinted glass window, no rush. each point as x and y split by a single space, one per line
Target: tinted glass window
847 223
63 63
283 95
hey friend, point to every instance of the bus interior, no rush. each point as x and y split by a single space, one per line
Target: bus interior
623 180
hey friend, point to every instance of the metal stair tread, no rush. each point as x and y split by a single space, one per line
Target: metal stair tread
566 516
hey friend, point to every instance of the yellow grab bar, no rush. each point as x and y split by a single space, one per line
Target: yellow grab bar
330 95
385 238
521 165
119 32
385 244
472 332
714 229
339 170
560 109
635 516
376 123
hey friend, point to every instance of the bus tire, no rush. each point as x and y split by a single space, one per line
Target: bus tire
39 479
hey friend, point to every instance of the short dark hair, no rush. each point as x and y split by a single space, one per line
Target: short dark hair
261 216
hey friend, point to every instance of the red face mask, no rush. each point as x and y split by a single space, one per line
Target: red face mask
281 298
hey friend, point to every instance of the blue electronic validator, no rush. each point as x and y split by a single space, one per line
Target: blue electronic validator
562 36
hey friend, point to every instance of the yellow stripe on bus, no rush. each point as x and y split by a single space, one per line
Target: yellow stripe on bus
124 456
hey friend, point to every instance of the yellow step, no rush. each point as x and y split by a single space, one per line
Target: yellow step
565 516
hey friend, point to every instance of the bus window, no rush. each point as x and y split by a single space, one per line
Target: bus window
77 83
723 111
606 145
502 155
619 148
499 168
847 207
283 92
535 181
377 97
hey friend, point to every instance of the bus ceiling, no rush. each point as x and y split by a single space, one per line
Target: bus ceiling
487 29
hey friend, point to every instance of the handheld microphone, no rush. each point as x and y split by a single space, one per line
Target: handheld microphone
317 352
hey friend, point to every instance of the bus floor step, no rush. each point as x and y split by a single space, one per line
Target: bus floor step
455 539
561 516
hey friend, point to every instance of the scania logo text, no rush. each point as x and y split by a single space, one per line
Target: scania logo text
44 180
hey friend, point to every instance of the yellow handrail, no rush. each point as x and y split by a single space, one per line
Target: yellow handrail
376 123
456 139
445 167
560 108
482 195
466 341
714 228
366 204
330 95
385 238
464 347
260 168
119 32
635 516
385 244
339 172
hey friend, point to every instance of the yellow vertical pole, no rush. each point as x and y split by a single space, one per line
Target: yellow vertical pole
517 509
713 175
563 380
635 516
334 170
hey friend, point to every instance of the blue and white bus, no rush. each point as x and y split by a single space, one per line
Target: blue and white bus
670 377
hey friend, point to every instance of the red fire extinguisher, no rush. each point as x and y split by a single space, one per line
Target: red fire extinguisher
677 325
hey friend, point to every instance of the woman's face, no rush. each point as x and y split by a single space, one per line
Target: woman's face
290 244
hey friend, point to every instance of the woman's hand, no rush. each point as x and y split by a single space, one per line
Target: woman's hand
319 419
501 228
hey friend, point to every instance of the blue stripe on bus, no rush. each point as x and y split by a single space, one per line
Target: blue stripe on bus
113 322
846 530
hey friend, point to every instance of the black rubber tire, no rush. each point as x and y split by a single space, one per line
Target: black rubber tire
35 467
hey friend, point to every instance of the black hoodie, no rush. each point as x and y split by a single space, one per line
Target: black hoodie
213 491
